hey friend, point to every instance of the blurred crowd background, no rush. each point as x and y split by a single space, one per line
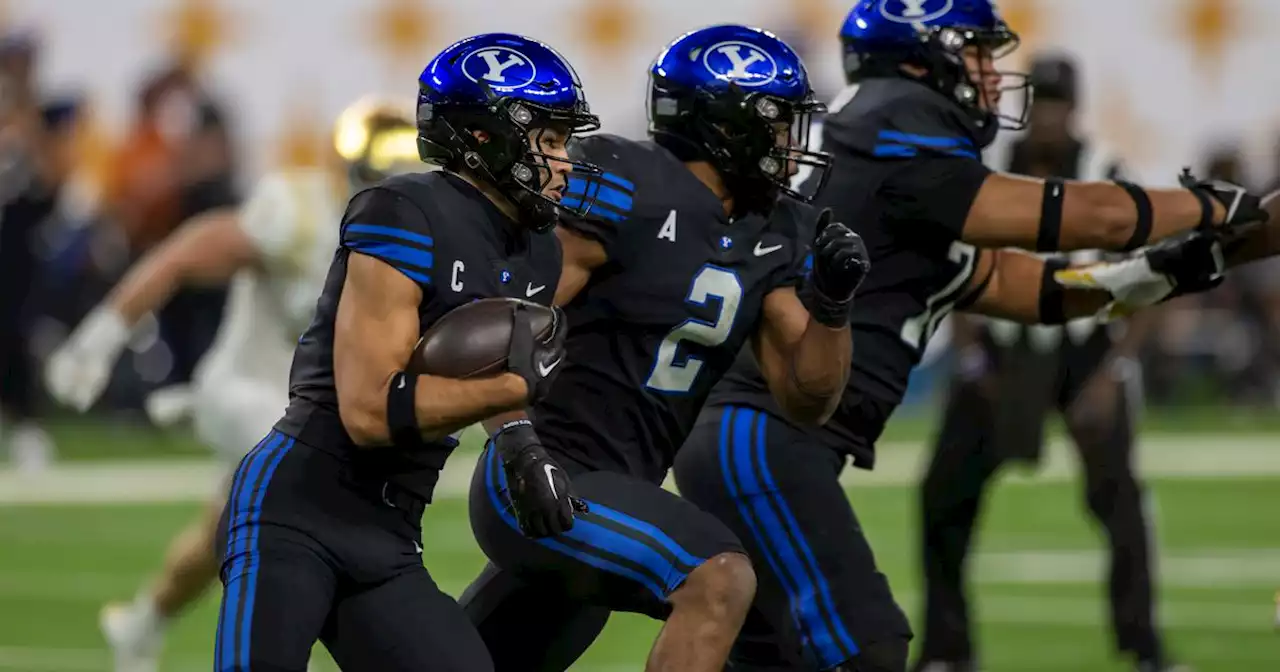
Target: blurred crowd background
120 119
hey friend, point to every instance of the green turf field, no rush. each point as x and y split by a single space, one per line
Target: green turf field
1037 576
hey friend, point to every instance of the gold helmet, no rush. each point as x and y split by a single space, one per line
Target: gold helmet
377 138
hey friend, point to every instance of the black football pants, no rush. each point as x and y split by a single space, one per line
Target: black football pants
965 462
314 548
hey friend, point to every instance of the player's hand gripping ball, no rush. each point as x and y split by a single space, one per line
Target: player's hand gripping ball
840 263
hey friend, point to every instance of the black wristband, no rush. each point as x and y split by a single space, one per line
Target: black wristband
402 411
1142 228
1206 209
1050 216
1053 296
828 313
513 437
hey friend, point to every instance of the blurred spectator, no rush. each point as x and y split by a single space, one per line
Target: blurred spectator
1225 343
35 160
177 162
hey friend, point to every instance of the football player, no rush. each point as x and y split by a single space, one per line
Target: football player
1010 377
275 251
321 537
694 247
906 137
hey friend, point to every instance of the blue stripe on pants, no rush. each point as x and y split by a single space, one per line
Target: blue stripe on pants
773 527
728 457
248 492
789 519
661 576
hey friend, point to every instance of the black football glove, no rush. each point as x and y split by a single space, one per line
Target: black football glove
840 262
537 361
1192 263
1243 208
540 492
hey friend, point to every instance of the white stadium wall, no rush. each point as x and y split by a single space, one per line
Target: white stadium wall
1164 79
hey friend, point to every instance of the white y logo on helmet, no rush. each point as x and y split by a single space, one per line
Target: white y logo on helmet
914 11
500 67
742 63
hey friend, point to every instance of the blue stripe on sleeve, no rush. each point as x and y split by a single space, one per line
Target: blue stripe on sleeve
932 141
895 150
390 232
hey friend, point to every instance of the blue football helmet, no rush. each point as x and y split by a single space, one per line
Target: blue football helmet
512 88
879 36
739 98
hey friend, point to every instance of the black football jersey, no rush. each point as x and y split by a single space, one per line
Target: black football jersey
449 238
660 323
907 168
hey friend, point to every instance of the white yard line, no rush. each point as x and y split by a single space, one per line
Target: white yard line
900 463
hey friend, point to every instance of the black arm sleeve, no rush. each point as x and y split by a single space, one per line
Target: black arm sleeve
387 226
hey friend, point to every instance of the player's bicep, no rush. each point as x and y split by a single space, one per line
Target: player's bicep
385 225
580 256
1005 212
375 330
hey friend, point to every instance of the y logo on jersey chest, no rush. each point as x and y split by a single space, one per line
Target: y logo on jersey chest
500 67
742 63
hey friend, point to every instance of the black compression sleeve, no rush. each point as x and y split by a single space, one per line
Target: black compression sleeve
402 411
1052 295
1141 229
1047 240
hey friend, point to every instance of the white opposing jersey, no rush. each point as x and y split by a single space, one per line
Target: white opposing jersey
292 219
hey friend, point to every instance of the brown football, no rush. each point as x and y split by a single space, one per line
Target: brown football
472 341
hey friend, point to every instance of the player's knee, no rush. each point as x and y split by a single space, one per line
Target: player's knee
888 655
1105 495
724 585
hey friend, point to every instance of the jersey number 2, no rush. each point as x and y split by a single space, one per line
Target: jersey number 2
670 375
917 329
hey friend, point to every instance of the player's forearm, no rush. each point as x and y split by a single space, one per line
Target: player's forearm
1102 215
445 405
207 250
818 371
442 406
1022 289
1051 215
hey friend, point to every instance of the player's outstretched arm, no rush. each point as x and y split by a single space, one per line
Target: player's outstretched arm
804 354
1185 265
1049 215
1018 286
206 250
375 331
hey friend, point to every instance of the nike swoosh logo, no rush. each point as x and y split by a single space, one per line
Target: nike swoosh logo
401 385
544 369
417 548
761 251
547 469
531 290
